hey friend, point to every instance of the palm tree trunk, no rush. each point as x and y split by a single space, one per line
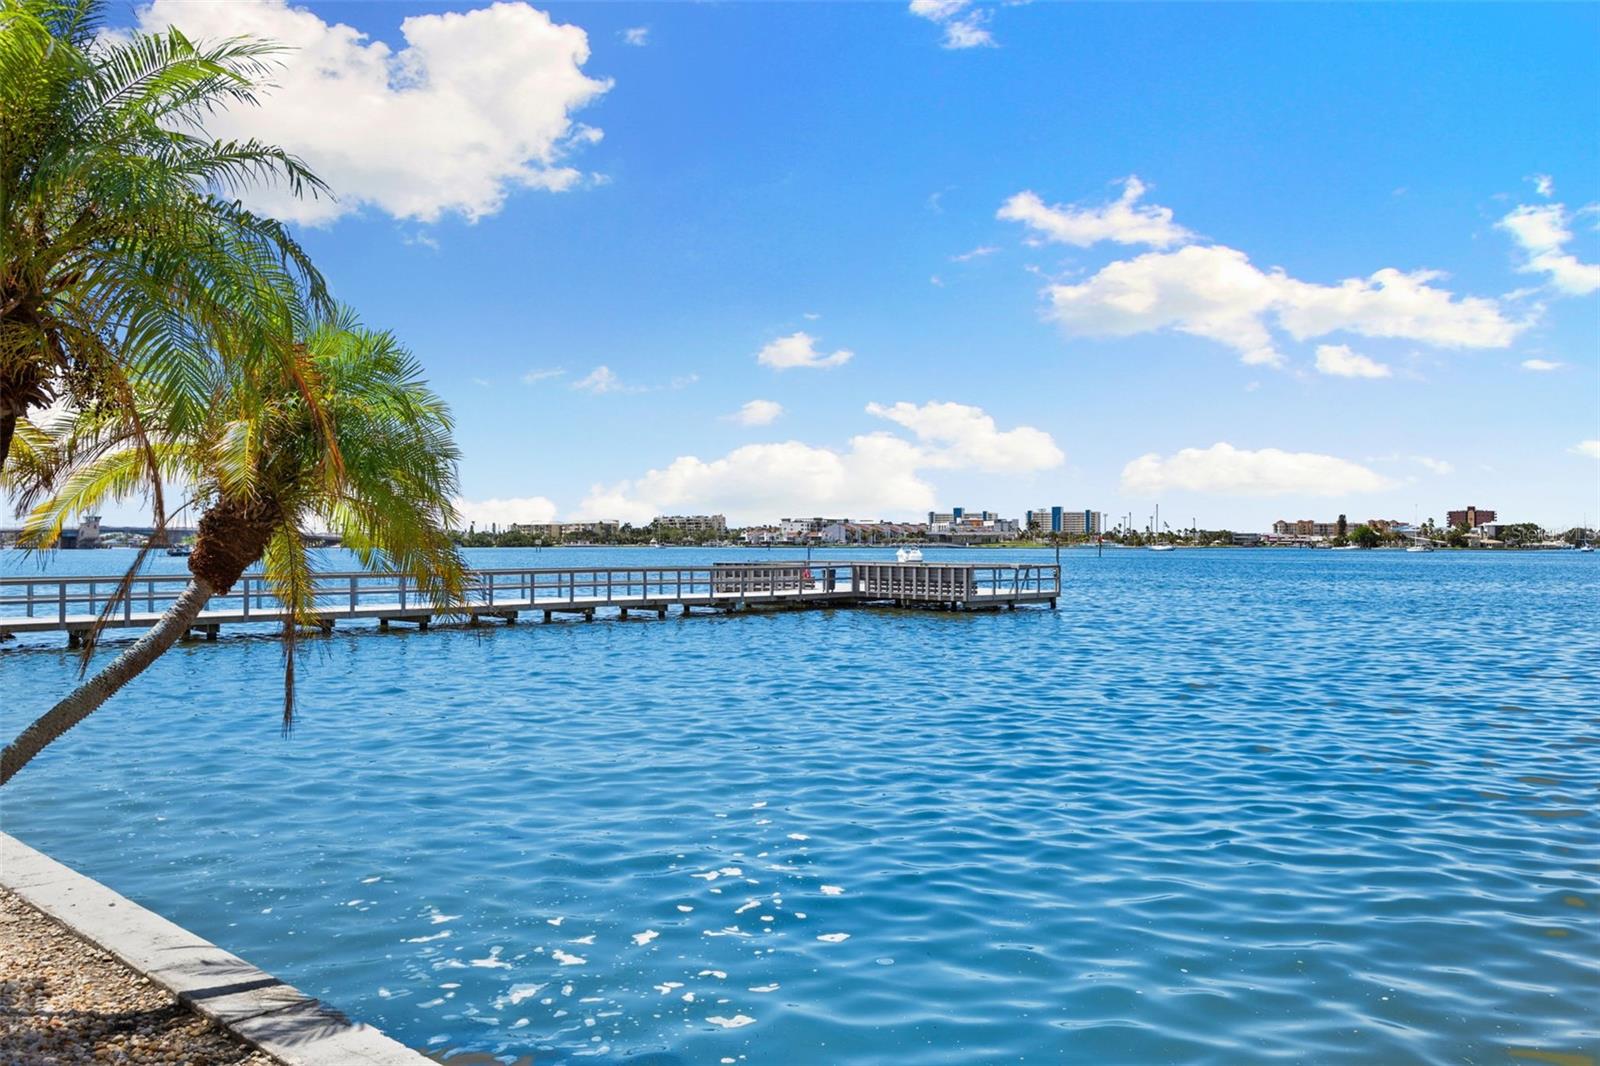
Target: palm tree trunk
103 685
8 428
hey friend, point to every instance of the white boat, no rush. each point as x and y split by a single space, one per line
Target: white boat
1586 547
908 555
1346 547
1420 548
1163 547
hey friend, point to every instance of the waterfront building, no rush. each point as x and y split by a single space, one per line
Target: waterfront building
1309 527
1469 517
961 525
562 530
87 535
871 532
694 524
1063 520
802 530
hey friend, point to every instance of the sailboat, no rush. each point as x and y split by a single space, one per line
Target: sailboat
1157 533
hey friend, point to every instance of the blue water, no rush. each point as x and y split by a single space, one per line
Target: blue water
1222 806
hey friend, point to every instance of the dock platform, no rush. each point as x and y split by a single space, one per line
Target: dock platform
71 605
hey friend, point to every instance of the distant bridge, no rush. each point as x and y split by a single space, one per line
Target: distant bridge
169 536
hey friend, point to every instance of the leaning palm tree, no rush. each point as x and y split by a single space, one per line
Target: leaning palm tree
264 472
123 251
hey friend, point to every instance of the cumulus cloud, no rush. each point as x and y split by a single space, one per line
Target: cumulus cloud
1541 231
1591 448
638 36
474 105
1226 470
959 436
1341 362
1544 185
1540 365
799 349
599 381
1215 292
964 25
1124 220
876 475
1210 292
506 512
758 413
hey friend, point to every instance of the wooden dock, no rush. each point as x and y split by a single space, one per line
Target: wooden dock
71 604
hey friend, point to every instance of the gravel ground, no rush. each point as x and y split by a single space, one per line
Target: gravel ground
64 1002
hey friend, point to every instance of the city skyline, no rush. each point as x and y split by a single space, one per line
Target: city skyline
872 259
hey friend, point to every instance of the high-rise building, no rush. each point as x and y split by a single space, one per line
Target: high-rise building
693 523
1470 518
1062 520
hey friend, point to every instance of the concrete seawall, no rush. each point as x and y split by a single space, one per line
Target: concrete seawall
252 1004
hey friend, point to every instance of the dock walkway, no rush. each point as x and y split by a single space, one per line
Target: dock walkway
72 604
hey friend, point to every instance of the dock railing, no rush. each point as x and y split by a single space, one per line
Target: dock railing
48 602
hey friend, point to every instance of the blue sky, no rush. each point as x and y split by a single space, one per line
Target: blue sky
527 200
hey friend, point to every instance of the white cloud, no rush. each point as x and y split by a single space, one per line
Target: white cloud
799 349
1340 361
1215 292
601 380
1227 470
964 25
1591 448
977 253
1211 292
1123 220
1544 185
877 475
533 377
1540 365
474 105
506 512
638 36
1435 466
1541 230
758 413
965 437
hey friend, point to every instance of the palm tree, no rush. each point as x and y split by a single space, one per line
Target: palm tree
122 250
264 471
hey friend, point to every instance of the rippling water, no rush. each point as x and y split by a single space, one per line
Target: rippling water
1224 806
